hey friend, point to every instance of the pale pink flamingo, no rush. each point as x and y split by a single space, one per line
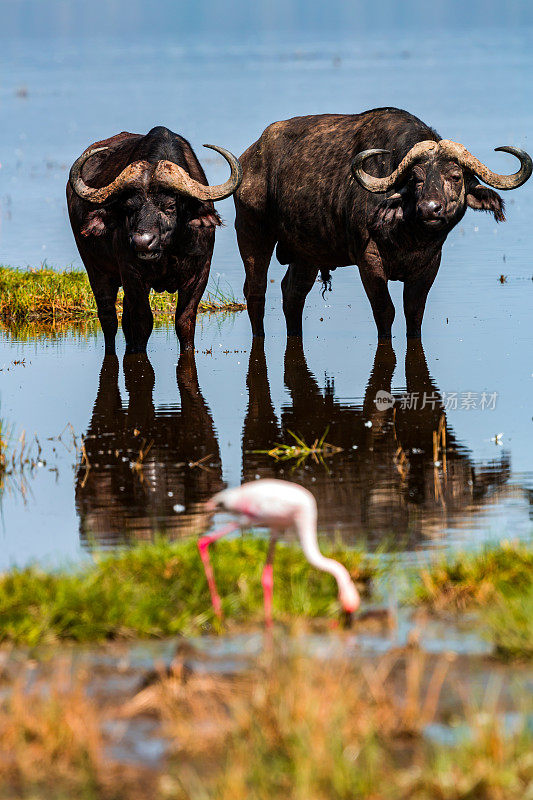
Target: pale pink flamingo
276 505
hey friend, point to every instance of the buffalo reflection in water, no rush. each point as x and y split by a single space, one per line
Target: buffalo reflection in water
141 461
403 476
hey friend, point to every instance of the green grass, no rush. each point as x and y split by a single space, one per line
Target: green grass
509 624
474 579
51 296
156 590
498 583
160 590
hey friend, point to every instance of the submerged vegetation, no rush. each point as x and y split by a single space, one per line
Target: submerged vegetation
51 296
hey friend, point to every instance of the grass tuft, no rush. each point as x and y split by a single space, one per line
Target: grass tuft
476 579
498 583
51 296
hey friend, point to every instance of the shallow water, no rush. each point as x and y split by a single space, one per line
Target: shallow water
67 85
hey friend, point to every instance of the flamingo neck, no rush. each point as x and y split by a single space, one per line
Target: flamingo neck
306 529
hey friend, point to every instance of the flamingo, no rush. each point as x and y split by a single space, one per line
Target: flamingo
276 505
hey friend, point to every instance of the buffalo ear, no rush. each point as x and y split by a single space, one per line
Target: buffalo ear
388 213
205 217
96 223
480 198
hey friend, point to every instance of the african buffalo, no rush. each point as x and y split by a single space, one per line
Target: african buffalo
305 189
143 218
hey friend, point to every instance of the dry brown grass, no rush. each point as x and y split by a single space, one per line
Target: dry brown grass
303 729
292 727
51 742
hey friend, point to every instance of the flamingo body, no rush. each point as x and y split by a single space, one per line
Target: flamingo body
278 506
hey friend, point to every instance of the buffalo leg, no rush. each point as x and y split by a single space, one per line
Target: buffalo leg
415 294
105 291
256 250
189 295
375 284
137 317
295 286
382 305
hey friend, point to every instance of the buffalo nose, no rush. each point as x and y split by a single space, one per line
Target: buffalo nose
143 242
430 208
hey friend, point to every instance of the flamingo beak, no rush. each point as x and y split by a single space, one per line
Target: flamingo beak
346 619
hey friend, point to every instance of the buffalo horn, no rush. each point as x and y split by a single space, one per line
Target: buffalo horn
395 179
466 159
128 175
173 177
447 148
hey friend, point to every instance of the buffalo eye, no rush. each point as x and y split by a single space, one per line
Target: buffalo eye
456 177
130 203
167 206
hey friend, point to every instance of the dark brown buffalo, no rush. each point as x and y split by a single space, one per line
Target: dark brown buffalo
143 218
305 189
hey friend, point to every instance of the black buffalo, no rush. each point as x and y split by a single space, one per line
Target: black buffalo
143 218
305 189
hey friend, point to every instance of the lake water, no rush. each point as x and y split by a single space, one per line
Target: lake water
452 473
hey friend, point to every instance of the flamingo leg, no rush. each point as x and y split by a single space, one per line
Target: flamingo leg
267 582
203 545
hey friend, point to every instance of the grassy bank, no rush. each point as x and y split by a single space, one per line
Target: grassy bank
498 583
156 590
161 590
290 728
52 296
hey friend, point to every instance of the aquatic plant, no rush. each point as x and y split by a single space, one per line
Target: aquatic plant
51 296
319 450
3 452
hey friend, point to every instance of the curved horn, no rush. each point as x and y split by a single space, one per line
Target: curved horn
466 159
128 175
175 178
373 184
